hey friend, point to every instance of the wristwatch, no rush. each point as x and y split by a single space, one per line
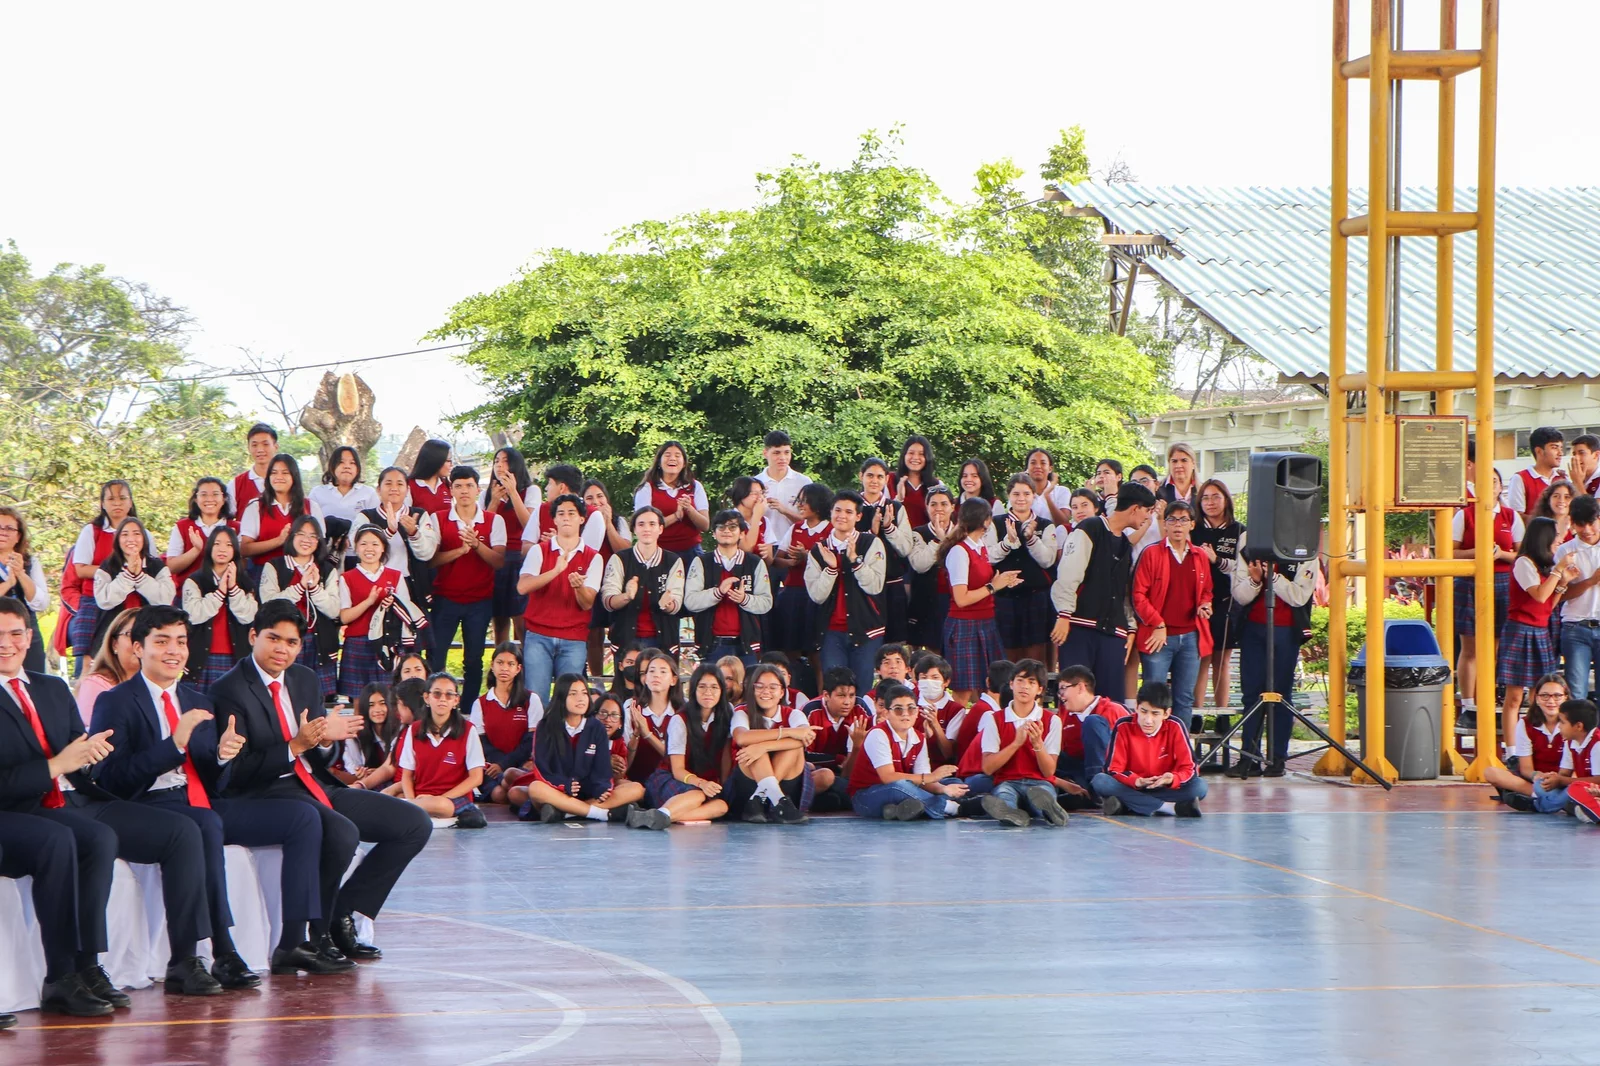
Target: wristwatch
990 586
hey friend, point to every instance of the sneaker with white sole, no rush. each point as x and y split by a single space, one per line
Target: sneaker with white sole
443 823
1044 801
1004 813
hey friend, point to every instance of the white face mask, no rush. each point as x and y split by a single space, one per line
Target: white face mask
930 690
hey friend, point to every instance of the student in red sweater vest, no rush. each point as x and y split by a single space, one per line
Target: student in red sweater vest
441 761
1020 745
1537 748
261 441
840 720
893 778
472 548
1150 764
1086 723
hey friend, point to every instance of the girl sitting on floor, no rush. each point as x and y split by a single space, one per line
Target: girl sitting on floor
769 778
505 715
572 763
645 724
1536 748
687 786
367 759
441 764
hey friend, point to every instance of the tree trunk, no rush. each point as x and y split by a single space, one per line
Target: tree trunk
341 413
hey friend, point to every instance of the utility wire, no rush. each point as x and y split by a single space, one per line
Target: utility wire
221 374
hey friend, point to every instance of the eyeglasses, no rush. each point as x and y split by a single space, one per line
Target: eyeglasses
769 688
1212 497
1179 519
1147 482
1555 697
10 529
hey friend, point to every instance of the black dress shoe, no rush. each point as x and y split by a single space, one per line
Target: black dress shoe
7 1020
549 815
1247 766
343 935
619 814
231 972
188 977
1274 769
98 982
71 996
286 962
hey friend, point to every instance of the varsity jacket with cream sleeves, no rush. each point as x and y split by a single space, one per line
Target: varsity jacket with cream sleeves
863 613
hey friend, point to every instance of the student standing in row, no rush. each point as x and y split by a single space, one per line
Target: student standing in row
1546 444
669 486
783 484
472 547
1091 592
265 522
1172 602
607 533
305 577
1217 533
1292 585
261 444
342 497
885 518
92 547
513 496
208 509
971 640
412 534
1580 611
728 593
844 576
913 477
131 577
794 613
1508 533
930 582
643 588
378 616
1020 541
560 579
22 578
429 482
220 602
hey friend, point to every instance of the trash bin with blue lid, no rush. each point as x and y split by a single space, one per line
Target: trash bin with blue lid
1414 676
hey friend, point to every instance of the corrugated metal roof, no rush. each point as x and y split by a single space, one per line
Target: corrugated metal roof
1255 260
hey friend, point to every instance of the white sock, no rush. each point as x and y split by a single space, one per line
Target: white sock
1169 808
767 788
596 814
664 811
952 807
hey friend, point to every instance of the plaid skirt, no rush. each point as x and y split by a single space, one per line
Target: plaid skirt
1525 655
358 666
662 786
794 621
327 672
971 644
212 670
80 631
1466 598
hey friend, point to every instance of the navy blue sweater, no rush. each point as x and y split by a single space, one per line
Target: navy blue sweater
565 761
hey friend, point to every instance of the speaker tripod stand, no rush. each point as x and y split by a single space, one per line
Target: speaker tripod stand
1269 697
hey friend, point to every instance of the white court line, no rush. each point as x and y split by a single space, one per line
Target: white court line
572 1017
730 1054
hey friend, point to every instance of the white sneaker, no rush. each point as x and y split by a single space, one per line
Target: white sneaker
443 823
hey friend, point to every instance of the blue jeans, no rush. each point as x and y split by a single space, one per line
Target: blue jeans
1177 663
869 802
1149 800
1096 746
473 620
1253 682
1580 649
546 658
1552 802
836 651
1015 793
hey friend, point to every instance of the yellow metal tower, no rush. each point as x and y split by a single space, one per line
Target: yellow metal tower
1383 66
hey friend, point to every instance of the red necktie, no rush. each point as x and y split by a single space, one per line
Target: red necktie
53 798
300 770
192 786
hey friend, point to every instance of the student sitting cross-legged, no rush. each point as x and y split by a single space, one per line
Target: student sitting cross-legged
1086 723
1150 763
441 762
1020 746
1580 765
687 786
1538 748
572 757
892 778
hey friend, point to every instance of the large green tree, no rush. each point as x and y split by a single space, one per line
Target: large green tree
82 400
850 307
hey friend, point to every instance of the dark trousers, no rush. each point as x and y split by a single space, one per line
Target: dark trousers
1253 682
473 620
70 858
1103 653
295 827
209 823
163 838
399 829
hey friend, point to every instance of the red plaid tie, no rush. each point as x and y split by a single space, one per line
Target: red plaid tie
53 798
300 770
192 786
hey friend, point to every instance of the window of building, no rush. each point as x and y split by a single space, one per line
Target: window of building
1230 460
1567 433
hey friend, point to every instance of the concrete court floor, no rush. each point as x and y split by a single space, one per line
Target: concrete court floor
1298 922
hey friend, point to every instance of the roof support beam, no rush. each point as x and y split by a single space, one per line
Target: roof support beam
1419 64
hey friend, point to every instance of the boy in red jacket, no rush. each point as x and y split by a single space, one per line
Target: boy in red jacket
1150 764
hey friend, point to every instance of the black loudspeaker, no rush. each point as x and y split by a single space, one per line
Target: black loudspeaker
1284 523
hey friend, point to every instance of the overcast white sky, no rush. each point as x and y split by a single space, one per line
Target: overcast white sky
325 180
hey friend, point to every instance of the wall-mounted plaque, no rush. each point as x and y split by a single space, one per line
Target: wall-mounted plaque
1430 461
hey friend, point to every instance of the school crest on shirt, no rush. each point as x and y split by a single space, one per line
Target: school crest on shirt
449 758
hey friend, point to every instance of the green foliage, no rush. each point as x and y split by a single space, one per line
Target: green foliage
850 307
1315 650
79 407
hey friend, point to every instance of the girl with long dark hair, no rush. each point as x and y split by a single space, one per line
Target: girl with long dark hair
264 525
131 577
688 785
306 577
220 600
94 544
572 757
971 639
913 477
429 482
930 582
1525 652
669 486
22 577
513 495
1217 534
208 509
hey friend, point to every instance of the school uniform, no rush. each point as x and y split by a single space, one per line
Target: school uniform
785 490
794 615
508 602
556 628
36 604
1021 772
439 763
645 757
128 591
1289 627
894 532
1526 486
595 536
1580 619
1544 746
905 753
409 553
1508 530
929 603
148 768
506 733
643 620
261 520
1085 744
463 595
1136 754
433 499
971 638
711 763
1525 652
965 729
1168 589
1224 541
178 543
1023 614
92 548
314 588
682 537
345 506
246 485
1091 591
1580 758
850 618
374 639
219 626
721 626
575 761
741 787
